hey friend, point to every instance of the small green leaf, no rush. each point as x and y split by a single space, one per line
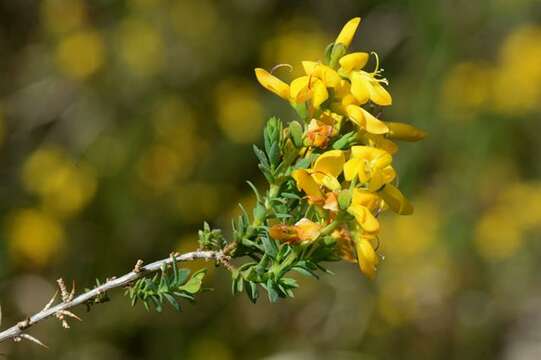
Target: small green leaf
194 284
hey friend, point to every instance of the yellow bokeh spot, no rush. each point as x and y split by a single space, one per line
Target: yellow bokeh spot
240 114
62 16
409 236
63 185
34 236
295 42
140 47
517 87
195 20
498 235
81 54
467 87
159 167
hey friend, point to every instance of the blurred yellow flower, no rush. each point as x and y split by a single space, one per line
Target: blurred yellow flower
239 112
519 70
81 54
34 236
498 235
140 46
295 41
468 87
159 166
63 185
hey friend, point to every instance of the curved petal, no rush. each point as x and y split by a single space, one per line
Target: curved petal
360 87
299 90
351 168
396 200
406 132
329 163
272 83
366 220
306 183
353 61
365 198
374 125
348 31
356 114
366 257
379 95
320 93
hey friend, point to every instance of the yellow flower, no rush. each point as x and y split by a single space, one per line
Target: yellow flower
306 88
272 83
325 172
365 86
348 31
304 230
362 205
366 256
326 74
372 166
365 120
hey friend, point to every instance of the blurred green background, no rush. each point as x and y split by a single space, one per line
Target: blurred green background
125 124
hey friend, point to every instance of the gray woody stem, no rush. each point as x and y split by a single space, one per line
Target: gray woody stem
16 332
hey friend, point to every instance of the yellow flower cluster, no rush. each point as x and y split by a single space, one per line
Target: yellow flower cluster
352 184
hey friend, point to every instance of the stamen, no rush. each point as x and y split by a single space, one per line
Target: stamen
278 66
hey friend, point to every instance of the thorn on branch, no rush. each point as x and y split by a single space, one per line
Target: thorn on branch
138 266
29 338
48 305
63 290
25 324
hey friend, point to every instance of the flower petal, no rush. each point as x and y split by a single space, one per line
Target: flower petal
320 93
348 31
351 168
329 163
366 220
396 200
406 132
373 125
366 257
365 198
353 61
379 95
306 183
299 90
360 87
272 83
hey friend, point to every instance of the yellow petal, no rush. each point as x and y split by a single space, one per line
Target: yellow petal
396 201
401 131
370 153
379 95
351 168
365 120
320 94
323 72
365 198
306 183
366 257
329 163
366 220
353 61
373 125
360 87
348 31
272 83
299 90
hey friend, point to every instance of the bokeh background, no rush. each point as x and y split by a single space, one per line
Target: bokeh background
125 124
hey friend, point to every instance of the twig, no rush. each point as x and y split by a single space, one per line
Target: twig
17 332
